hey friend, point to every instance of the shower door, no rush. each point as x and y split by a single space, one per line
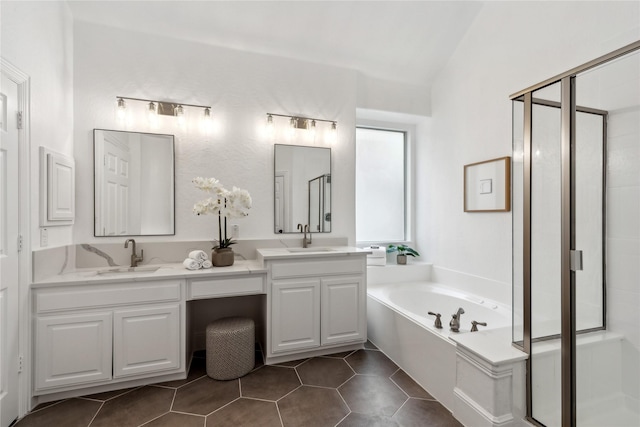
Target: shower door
576 246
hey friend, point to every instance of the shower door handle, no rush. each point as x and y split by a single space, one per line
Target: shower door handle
576 260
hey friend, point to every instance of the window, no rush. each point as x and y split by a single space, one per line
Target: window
381 185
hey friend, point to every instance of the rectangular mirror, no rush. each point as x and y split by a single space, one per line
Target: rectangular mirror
302 188
133 183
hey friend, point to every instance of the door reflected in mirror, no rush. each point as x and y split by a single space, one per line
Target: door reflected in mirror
133 183
302 188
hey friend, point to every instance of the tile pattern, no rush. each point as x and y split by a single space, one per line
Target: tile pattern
359 388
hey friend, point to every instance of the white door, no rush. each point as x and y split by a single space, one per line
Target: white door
115 187
279 204
8 251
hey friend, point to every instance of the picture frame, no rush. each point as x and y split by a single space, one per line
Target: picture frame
487 186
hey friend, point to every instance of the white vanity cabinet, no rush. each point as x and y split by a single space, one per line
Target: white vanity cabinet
91 335
315 303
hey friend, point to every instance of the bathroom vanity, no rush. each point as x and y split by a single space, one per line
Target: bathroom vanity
316 301
109 328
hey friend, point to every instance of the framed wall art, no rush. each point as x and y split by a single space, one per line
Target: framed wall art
487 186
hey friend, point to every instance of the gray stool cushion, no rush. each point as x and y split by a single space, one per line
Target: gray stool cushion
230 348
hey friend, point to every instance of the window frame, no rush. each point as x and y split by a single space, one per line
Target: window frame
409 131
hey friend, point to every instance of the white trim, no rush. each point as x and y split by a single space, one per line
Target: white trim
501 420
24 257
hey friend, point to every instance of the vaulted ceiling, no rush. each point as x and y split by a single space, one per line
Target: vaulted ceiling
402 41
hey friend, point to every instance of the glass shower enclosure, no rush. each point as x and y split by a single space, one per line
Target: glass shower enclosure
576 246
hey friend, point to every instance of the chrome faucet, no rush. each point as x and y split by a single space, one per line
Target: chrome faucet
454 325
305 230
135 259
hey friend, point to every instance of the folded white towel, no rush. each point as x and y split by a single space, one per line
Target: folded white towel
198 255
207 264
377 252
191 264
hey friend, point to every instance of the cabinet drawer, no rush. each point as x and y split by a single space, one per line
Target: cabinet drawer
68 298
228 286
342 266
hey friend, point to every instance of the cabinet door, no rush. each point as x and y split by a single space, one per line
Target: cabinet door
295 314
343 310
146 340
72 349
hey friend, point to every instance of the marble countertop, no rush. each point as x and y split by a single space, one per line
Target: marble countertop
147 272
316 252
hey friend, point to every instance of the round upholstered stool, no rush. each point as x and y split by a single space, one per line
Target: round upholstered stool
230 348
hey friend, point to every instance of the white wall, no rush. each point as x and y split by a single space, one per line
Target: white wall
241 87
509 46
37 37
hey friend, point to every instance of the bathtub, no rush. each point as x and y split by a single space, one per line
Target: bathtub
399 325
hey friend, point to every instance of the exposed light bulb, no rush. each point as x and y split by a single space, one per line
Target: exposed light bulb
332 135
153 114
292 126
122 110
179 112
207 121
313 130
270 127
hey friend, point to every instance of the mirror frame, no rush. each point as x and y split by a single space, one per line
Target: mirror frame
173 166
306 201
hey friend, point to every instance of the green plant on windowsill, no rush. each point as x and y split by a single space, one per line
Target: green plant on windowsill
403 252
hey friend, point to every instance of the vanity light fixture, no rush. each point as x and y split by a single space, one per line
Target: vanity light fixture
306 123
161 108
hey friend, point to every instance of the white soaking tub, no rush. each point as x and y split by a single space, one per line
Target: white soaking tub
399 325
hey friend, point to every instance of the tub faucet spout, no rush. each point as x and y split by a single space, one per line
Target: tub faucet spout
455 320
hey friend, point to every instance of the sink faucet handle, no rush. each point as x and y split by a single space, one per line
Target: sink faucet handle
474 325
437 323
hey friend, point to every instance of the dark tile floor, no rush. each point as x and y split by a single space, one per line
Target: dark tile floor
359 388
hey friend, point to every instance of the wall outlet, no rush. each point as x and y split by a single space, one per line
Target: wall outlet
44 237
235 231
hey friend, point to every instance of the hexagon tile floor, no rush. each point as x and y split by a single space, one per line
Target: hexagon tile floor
359 388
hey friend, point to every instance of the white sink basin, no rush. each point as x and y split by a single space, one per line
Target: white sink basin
123 270
294 250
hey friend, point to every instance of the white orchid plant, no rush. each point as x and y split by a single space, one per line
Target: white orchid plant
234 203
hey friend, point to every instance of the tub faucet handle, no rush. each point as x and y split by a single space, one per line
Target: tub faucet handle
437 323
474 325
